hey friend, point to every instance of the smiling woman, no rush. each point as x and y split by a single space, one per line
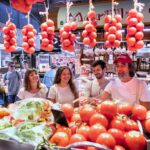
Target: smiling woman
32 86
63 90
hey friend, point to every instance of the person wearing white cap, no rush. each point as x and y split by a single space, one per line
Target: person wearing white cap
127 88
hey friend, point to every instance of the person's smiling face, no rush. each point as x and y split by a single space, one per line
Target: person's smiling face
33 77
65 76
122 70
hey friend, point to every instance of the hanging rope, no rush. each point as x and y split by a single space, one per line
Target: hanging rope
68 6
137 5
91 6
28 17
113 7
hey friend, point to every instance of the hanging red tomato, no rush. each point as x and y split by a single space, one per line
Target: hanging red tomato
47 35
29 34
134 30
9 36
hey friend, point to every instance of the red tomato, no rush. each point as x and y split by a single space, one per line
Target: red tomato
84 130
131 125
135 140
98 118
139 44
118 135
139 112
140 26
106 139
67 27
108 108
118 124
131 41
112 30
68 110
65 130
111 37
86 112
60 139
125 108
132 13
107 18
91 14
146 125
76 118
77 138
73 127
95 130
118 18
140 17
118 147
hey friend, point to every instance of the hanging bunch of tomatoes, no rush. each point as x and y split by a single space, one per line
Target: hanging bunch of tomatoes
29 37
89 32
67 37
114 126
47 35
9 31
24 6
135 30
112 34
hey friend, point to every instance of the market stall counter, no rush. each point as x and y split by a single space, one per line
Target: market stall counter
34 124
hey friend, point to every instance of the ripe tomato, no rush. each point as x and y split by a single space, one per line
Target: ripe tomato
106 139
139 112
77 138
131 125
65 130
91 14
118 147
125 108
76 118
98 118
95 130
107 19
118 124
135 140
60 139
108 108
68 110
118 135
73 127
146 125
84 130
86 112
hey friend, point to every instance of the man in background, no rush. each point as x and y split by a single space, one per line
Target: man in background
12 80
49 76
25 67
126 87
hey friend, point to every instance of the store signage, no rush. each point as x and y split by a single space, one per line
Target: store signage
79 13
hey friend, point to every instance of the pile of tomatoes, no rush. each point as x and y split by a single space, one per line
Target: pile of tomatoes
89 33
67 37
47 34
29 37
10 42
114 126
135 30
24 6
112 34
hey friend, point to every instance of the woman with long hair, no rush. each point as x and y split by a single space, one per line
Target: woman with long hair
32 86
63 90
